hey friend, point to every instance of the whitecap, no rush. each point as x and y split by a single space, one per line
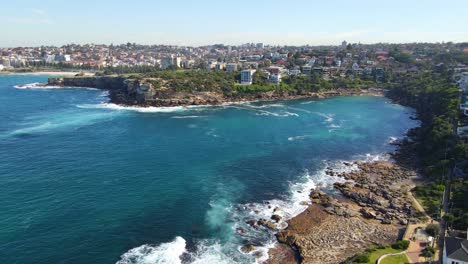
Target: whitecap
212 251
308 102
142 109
328 117
334 126
282 114
165 253
298 137
37 85
369 157
185 117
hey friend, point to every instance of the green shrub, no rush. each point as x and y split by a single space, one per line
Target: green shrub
362 258
428 252
401 244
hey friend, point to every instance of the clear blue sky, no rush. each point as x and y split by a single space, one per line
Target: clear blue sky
44 22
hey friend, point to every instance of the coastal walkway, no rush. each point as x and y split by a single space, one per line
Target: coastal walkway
388 255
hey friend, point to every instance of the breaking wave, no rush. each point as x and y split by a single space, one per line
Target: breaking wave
238 215
150 109
166 253
42 86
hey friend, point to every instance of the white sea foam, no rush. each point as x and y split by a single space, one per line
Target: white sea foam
185 117
166 253
392 140
140 109
369 157
42 86
298 137
62 121
212 133
308 102
34 86
208 251
281 114
328 117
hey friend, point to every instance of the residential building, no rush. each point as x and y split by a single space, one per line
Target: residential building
220 66
275 78
247 76
307 69
49 58
463 82
171 61
294 72
455 251
230 67
2 67
344 44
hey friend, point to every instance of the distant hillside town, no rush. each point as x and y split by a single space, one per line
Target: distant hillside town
375 62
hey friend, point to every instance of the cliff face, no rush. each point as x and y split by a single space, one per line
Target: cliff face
141 92
121 90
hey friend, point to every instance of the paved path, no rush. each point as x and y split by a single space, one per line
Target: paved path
387 255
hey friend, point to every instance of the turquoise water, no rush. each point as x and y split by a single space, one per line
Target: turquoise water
83 181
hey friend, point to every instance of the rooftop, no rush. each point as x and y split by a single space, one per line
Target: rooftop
456 248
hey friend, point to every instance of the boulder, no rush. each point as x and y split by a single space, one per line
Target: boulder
276 217
247 248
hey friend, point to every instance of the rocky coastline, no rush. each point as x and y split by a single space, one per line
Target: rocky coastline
370 207
133 92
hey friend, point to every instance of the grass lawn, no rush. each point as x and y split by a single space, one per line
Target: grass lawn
401 259
374 255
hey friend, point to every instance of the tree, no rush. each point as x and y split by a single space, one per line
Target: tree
428 252
433 230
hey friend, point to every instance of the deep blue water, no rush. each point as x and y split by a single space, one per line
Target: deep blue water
85 182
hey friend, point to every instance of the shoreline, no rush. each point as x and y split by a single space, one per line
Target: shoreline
369 208
220 100
54 73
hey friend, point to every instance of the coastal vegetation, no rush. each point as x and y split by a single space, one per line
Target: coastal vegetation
371 255
436 98
227 83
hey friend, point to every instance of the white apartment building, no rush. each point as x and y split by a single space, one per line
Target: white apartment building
247 77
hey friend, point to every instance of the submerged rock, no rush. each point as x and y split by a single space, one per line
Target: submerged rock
247 248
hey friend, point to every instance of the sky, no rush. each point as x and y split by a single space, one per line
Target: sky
203 22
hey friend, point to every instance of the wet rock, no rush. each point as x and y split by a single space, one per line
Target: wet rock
270 225
240 230
247 248
286 237
251 223
276 217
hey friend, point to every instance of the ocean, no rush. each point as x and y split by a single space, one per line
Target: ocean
86 181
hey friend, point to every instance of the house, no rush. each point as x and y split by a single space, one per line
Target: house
275 78
230 67
463 82
455 251
247 77
294 72
307 70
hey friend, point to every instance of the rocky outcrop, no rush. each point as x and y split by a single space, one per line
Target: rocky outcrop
370 209
141 92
